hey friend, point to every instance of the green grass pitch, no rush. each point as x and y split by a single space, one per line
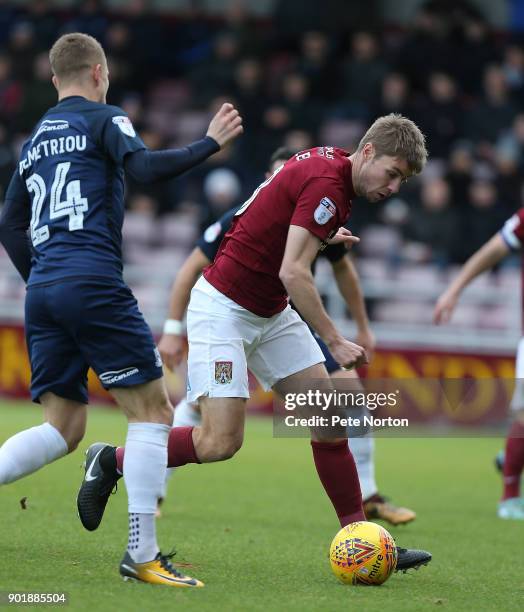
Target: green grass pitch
256 529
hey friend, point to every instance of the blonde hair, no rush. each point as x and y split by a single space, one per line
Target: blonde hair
73 54
397 136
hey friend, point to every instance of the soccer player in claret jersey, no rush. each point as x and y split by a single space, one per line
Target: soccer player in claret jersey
172 344
68 191
239 316
509 239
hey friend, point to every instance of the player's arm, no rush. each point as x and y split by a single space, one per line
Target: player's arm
348 284
14 221
485 258
149 166
171 345
295 273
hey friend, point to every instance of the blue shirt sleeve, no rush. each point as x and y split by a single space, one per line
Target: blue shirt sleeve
148 166
14 222
210 240
118 137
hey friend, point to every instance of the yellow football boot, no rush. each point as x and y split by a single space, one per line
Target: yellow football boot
158 571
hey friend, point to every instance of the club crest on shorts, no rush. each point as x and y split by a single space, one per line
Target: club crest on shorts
325 211
223 372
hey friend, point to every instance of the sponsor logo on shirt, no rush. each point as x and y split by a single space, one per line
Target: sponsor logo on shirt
223 372
125 125
114 376
325 211
158 358
213 232
49 125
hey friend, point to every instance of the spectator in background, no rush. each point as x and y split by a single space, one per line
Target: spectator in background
222 190
215 74
483 216
22 49
10 90
394 96
473 49
435 224
36 93
493 113
440 115
316 63
459 173
89 18
363 74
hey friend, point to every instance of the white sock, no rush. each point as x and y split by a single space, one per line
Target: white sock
145 463
29 450
185 416
142 544
363 449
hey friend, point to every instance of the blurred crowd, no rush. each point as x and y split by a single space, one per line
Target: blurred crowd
449 71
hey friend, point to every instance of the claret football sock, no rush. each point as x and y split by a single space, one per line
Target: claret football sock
29 450
185 415
514 461
338 474
180 449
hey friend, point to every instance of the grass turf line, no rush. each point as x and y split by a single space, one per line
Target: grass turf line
257 529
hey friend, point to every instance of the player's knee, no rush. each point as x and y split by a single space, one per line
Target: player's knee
221 447
230 445
165 411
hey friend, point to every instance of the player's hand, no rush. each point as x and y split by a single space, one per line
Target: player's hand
345 236
348 354
366 339
225 125
172 350
445 307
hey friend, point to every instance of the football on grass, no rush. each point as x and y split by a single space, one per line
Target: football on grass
363 553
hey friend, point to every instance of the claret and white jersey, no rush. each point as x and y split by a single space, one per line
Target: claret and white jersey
312 190
238 316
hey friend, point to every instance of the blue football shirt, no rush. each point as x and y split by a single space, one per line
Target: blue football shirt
71 178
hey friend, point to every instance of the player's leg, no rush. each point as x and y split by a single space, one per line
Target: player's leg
511 505
289 335
362 445
58 382
288 360
333 460
119 346
186 415
29 450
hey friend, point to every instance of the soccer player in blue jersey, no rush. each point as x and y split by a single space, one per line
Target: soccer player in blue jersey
61 226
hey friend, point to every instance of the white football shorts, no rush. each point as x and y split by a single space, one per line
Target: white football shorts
517 401
225 340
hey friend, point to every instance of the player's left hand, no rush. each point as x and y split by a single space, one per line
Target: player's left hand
344 236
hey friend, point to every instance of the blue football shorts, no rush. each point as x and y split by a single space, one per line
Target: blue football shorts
81 323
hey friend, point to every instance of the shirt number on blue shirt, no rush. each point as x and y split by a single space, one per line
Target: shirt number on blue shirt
74 206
